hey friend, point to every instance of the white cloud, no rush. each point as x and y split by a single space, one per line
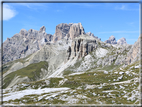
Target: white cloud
8 12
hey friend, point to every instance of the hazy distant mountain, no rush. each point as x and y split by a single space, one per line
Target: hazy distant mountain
122 41
111 40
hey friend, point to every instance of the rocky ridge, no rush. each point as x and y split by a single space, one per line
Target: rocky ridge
24 43
112 40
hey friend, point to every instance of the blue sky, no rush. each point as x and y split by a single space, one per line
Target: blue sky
102 19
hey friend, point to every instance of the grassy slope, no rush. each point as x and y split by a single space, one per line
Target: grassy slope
8 65
32 71
88 78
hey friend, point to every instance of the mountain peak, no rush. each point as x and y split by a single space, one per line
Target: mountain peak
122 41
70 30
23 31
42 29
111 40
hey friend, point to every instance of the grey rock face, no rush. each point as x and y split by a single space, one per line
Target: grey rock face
122 41
24 43
91 34
70 31
82 47
75 30
42 29
134 53
111 40
61 31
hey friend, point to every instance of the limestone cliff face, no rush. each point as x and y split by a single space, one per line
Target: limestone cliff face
70 31
76 30
81 47
134 53
61 31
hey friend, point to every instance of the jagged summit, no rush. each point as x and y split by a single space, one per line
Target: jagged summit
42 29
24 43
69 31
122 41
111 40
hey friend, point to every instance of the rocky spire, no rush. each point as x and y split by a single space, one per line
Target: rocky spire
111 40
42 29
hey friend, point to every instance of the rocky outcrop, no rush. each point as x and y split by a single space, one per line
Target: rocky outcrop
91 34
80 47
111 40
70 31
42 29
24 43
76 30
61 31
134 53
122 41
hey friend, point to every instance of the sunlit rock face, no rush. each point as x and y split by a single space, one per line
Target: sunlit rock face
81 46
134 53
70 31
